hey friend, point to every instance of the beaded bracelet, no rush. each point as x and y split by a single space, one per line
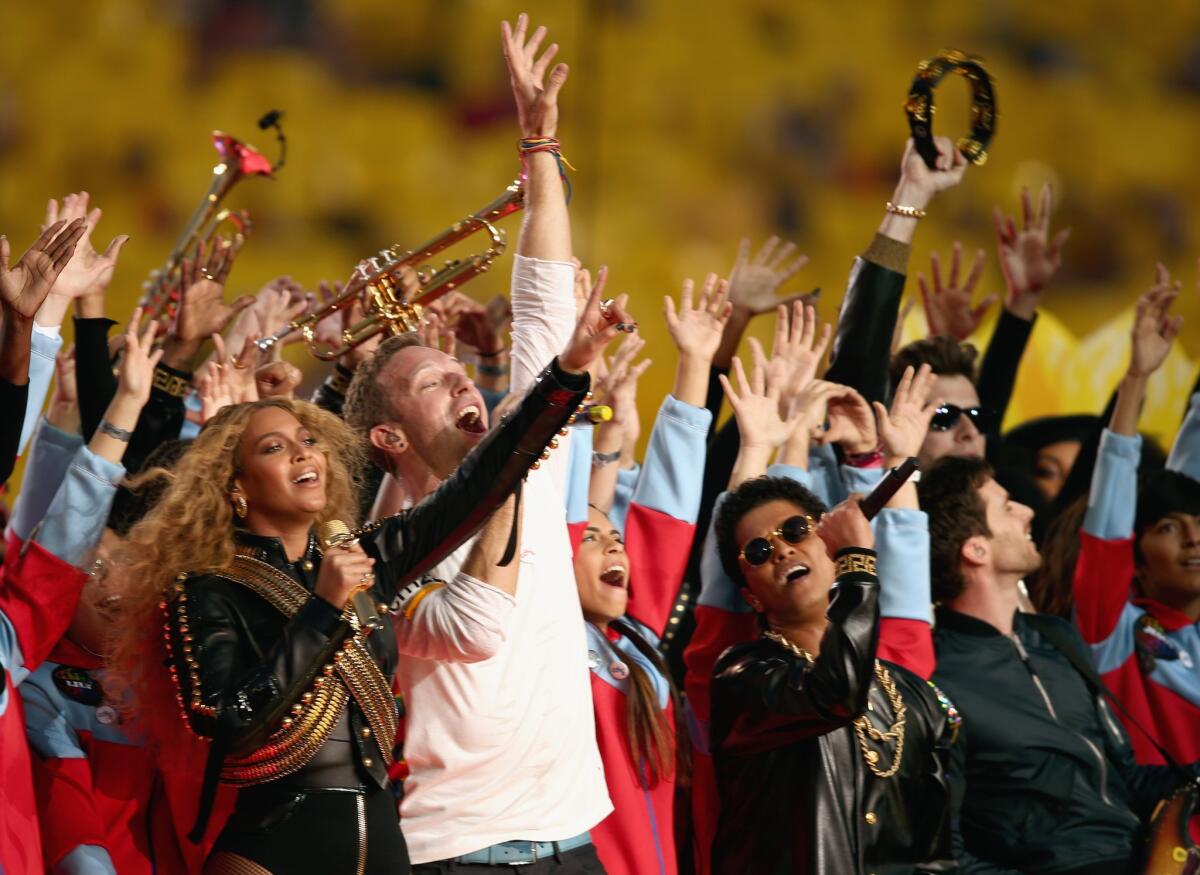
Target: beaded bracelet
530 145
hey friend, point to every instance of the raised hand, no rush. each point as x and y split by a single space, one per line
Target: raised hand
696 329
138 360
595 329
755 281
1029 259
796 353
63 412
88 272
25 285
535 93
948 308
755 403
471 324
1154 329
849 422
902 430
922 182
277 380
134 381
202 311
618 387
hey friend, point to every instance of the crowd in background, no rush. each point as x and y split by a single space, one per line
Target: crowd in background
995 672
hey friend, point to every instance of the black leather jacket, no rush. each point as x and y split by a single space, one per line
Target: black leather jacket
796 795
253 665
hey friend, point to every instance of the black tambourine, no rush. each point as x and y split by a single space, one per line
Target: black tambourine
919 105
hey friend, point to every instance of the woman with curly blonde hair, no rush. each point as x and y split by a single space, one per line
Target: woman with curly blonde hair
238 627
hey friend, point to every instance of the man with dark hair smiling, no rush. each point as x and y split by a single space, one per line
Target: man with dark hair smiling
1042 776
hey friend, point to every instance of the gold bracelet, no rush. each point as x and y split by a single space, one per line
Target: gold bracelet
907 212
857 563
175 386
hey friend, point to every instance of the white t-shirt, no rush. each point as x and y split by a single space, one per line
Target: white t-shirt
504 748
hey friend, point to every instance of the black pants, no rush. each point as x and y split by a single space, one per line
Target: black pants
290 831
581 861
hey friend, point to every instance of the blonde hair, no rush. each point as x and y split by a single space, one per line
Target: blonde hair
190 529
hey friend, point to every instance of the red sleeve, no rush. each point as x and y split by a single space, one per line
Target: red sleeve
66 807
1103 574
38 594
908 643
658 546
716 631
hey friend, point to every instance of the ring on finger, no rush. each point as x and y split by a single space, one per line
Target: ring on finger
367 578
606 305
208 275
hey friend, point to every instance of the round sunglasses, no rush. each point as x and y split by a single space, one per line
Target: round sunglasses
793 530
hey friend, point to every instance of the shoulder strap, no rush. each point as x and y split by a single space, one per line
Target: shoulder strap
1056 635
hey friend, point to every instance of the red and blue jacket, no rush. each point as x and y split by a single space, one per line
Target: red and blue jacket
723 619
38 592
1148 654
659 523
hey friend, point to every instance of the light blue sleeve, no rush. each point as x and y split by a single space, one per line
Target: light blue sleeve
825 481
717 590
902 544
673 471
41 373
1185 453
190 430
793 472
627 479
86 860
579 473
51 455
860 480
1112 503
76 518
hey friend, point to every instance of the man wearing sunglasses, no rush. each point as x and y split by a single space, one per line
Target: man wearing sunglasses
962 423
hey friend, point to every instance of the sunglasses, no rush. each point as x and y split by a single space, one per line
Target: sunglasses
946 417
793 530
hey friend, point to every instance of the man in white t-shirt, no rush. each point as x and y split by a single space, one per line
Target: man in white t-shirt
500 735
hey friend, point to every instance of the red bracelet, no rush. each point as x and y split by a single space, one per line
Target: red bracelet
870 459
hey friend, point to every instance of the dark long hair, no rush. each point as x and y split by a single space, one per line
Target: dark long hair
654 752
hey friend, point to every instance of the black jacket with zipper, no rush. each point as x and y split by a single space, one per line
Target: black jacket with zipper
1042 776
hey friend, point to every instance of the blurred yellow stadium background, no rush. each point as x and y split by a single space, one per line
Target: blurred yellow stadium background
691 124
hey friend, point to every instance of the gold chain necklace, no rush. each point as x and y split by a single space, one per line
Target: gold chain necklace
863 727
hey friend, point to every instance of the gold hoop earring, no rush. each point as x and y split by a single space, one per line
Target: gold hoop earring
239 504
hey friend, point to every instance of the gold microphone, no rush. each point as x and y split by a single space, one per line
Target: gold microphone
335 533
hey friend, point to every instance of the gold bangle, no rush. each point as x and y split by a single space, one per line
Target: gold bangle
856 563
907 212
175 386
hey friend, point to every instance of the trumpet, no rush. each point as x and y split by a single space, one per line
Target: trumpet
375 280
161 291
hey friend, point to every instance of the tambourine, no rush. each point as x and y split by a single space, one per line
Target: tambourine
919 106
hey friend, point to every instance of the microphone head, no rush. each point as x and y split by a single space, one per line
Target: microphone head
333 532
270 119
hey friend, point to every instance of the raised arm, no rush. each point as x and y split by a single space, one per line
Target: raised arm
24 287
862 344
1106 560
1029 259
543 276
